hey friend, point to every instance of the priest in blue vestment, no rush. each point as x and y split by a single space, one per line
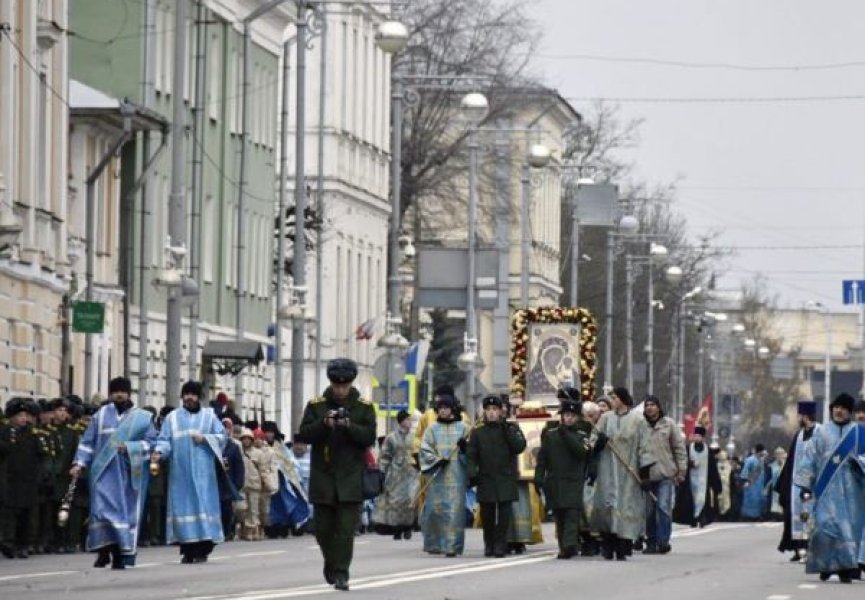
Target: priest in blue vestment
831 472
192 439
115 448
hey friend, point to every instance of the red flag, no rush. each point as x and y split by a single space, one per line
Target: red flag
366 330
701 416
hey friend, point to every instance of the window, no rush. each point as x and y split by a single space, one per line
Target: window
207 238
228 250
214 71
343 109
363 126
340 294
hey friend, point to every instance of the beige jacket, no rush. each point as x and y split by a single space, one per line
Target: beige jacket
668 446
257 465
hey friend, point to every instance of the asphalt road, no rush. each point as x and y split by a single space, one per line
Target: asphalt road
725 561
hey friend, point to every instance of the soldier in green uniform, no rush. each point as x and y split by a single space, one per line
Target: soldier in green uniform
493 447
560 471
44 514
22 454
66 442
339 426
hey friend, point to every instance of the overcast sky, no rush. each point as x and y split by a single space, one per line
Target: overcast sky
784 180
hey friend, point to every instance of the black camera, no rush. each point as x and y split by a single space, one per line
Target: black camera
338 414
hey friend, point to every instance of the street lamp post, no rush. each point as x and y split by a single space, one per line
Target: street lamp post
827 355
475 107
538 157
392 37
628 226
657 253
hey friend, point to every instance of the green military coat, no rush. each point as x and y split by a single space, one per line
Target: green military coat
337 457
561 466
23 454
492 460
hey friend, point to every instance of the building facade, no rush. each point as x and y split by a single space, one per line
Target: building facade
34 267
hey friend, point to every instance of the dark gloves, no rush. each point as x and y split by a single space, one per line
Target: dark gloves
645 485
601 442
462 444
644 472
804 494
591 475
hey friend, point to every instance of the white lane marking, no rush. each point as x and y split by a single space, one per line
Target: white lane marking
778 597
387 579
268 553
32 575
695 532
808 586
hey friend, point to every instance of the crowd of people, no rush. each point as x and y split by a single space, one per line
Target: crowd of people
611 476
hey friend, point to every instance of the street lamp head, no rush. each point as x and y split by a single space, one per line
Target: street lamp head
674 274
539 156
391 37
290 312
658 250
475 106
629 225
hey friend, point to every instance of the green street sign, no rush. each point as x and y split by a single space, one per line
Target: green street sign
88 317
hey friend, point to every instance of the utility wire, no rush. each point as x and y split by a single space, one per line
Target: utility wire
720 100
37 72
852 64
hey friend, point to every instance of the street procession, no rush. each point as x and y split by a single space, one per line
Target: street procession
431 299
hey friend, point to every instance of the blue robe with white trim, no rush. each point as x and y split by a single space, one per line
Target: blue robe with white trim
118 482
832 469
193 512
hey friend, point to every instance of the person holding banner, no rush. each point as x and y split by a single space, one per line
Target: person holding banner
115 448
443 463
831 472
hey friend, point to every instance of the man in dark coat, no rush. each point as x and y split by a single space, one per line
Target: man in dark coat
492 452
340 426
793 538
566 450
696 496
22 454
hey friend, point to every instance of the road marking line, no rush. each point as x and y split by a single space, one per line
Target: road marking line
778 597
388 579
32 575
268 553
808 586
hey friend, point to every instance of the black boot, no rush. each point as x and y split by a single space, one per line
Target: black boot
117 558
623 548
608 546
102 558
406 534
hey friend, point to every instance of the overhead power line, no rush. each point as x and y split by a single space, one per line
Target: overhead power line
850 64
721 100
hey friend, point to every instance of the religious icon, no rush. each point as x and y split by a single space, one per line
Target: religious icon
553 361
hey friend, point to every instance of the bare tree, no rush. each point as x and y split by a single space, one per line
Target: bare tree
763 393
487 39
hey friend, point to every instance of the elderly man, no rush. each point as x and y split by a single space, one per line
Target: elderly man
192 439
624 461
831 471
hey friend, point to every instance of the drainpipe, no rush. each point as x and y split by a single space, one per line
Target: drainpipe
90 235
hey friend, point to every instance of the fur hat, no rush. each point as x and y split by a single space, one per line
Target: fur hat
624 395
192 387
119 384
844 400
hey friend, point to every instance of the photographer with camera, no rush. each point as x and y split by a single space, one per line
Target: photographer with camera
339 426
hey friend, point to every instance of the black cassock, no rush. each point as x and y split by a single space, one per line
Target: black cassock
784 487
683 512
